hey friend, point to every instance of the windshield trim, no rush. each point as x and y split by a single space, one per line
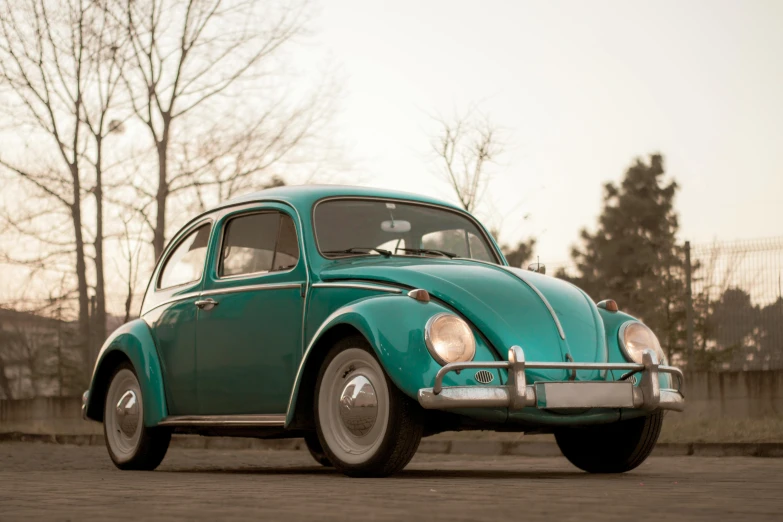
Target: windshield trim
490 243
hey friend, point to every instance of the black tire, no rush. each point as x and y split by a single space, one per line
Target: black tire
397 445
611 448
315 449
152 445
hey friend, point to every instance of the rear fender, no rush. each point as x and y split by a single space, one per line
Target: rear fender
131 342
393 325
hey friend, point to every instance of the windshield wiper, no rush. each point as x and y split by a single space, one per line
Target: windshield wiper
359 250
430 251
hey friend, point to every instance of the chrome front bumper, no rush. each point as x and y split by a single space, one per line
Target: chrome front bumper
517 394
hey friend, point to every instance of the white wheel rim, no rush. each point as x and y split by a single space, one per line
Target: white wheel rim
123 415
352 443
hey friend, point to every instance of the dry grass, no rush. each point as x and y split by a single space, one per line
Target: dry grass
684 429
675 429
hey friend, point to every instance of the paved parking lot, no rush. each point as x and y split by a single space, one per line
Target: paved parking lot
46 481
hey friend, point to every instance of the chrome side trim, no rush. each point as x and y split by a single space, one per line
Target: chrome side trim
541 296
251 288
360 286
228 290
224 420
180 297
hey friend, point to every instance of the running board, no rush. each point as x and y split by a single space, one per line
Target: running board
224 420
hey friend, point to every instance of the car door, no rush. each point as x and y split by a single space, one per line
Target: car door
249 327
170 311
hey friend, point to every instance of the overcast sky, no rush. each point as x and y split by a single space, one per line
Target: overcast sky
582 88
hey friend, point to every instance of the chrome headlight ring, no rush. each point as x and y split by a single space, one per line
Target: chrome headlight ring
449 339
634 338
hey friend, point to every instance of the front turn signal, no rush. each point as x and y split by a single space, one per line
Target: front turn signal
609 305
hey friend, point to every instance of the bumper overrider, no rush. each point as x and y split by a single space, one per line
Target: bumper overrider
518 394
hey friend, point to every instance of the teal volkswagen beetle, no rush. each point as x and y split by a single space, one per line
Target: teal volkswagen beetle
364 320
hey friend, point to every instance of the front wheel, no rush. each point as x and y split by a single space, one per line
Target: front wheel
611 448
366 426
315 449
131 445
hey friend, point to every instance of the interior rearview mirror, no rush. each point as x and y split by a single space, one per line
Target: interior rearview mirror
398 226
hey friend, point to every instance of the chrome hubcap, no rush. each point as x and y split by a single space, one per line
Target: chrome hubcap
358 406
353 406
127 411
123 415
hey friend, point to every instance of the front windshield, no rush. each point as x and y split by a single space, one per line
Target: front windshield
351 227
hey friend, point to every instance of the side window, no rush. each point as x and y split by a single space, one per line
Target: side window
186 263
258 243
287 252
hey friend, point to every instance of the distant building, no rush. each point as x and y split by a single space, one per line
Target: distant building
39 356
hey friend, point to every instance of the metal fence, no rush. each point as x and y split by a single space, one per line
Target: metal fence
734 321
735 313
737 303
755 266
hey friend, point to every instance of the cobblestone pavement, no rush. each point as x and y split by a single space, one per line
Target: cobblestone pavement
46 481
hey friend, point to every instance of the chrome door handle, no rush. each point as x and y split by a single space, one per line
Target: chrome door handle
206 304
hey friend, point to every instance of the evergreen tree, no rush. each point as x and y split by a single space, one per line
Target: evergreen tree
770 345
517 255
633 257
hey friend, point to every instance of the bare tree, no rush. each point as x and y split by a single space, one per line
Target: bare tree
42 57
201 77
189 58
466 145
131 251
103 114
243 154
61 61
6 347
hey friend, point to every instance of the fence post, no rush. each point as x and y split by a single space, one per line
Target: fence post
689 304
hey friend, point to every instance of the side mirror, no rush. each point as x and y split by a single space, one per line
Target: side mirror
537 267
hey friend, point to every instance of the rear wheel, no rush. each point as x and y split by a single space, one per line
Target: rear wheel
131 445
366 426
611 448
315 449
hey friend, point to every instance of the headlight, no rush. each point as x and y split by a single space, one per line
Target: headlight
635 338
449 339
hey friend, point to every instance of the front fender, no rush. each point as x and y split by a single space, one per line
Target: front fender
394 327
134 341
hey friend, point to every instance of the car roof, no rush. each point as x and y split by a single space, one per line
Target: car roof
305 195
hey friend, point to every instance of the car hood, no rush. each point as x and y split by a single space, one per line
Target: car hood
552 320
